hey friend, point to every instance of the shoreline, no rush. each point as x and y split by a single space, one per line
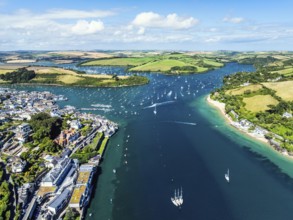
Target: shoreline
60 85
221 108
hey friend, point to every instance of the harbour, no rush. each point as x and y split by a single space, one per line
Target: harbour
162 154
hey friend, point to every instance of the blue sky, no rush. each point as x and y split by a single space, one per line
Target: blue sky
164 25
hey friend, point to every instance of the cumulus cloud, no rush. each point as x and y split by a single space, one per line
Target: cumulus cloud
154 20
83 27
141 30
234 20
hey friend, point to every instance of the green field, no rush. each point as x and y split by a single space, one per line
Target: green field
159 66
286 71
213 63
167 63
131 61
283 89
259 103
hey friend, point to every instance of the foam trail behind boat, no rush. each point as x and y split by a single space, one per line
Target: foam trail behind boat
159 104
182 122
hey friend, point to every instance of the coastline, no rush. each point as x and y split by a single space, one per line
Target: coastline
60 85
221 107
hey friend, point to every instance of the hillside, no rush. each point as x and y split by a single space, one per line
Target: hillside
264 97
176 63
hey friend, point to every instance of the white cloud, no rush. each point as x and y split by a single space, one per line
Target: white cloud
154 20
83 27
141 30
234 20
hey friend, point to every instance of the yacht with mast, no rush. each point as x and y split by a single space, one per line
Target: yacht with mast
227 176
155 110
177 200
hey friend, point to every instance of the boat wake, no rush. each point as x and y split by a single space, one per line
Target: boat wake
97 109
159 104
182 122
101 106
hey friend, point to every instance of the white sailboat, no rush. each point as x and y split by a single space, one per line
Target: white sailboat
175 97
155 110
174 199
180 199
227 176
177 200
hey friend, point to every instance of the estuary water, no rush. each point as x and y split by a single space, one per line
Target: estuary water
170 138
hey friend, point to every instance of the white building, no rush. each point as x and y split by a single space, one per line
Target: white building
56 176
17 165
287 115
59 202
75 124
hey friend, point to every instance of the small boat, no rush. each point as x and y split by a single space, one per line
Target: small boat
90 214
114 170
227 176
155 110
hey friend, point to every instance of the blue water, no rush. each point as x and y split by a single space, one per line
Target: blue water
186 144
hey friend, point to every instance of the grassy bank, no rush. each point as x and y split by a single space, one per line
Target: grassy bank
103 146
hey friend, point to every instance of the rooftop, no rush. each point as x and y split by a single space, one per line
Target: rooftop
83 177
59 199
77 194
46 189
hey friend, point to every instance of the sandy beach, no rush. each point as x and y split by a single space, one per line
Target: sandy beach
221 107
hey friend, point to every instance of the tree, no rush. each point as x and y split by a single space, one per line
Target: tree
71 214
45 126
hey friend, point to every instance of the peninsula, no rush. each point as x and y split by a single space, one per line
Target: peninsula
260 103
64 77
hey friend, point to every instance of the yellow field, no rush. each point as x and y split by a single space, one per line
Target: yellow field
68 79
286 71
102 76
259 102
283 89
81 54
241 90
5 71
46 70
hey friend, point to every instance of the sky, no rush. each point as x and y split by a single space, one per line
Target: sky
195 25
